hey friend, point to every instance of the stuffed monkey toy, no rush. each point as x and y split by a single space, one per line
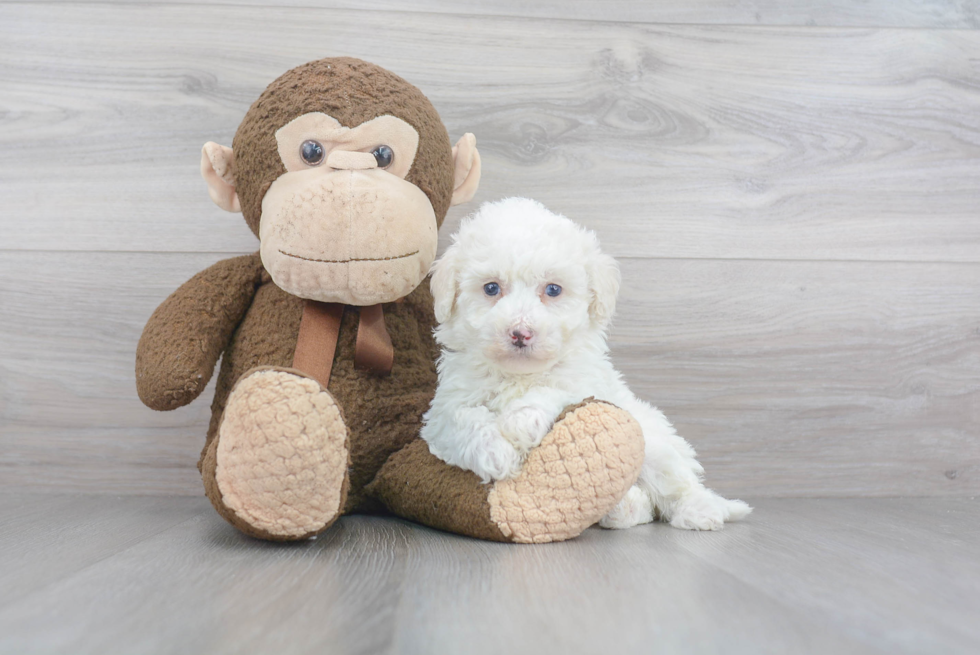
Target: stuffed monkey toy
344 172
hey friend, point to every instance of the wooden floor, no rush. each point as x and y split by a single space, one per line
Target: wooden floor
102 574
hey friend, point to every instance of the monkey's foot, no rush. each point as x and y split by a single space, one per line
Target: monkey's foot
581 470
277 468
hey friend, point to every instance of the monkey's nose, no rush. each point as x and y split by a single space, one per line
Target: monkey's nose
521 337
351 161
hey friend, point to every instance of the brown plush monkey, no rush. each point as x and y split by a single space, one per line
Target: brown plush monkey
345 172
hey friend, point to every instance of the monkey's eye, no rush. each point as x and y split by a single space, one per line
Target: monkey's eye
311 152
491 288
384 156
553 290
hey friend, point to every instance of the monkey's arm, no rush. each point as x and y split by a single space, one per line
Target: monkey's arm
187 333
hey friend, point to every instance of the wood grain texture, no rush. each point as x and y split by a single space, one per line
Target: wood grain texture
69 414
796 208
812 378
672 141
790 378
45 538
827 13
851 561
800 576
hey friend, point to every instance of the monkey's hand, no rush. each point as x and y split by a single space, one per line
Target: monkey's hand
186 335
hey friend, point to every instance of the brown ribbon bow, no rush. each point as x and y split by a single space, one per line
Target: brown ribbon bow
319 331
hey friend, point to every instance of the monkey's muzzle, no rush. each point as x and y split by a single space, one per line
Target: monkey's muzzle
359 237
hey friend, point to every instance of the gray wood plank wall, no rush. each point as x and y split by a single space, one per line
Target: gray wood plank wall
793 190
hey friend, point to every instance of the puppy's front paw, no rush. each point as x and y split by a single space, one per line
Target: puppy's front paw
705 510
525 426
492 457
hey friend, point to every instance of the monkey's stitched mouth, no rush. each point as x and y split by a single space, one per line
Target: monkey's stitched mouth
346 261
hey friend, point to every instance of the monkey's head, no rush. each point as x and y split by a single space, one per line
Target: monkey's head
345 172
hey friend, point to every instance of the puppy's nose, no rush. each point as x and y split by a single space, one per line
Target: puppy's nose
521 337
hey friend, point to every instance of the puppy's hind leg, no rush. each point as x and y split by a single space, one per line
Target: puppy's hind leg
703 509
636 508
671 475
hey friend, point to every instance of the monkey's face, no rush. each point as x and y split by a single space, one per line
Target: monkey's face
344 172
342 224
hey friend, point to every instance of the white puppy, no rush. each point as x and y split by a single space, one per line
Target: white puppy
524 297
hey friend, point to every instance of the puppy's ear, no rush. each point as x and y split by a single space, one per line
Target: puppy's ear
445 284
603 286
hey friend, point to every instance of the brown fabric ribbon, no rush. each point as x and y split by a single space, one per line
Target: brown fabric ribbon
319 331
373 350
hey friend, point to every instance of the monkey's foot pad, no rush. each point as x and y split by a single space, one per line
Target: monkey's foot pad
281 460
581 470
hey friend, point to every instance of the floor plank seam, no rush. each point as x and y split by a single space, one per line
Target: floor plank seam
124 548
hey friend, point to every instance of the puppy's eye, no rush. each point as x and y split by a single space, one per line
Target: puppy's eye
491 288
311 152
384 156
553 290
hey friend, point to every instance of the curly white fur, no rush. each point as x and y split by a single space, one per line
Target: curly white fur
512 361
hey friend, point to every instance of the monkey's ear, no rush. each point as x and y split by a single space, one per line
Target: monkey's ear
217 166
466 176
